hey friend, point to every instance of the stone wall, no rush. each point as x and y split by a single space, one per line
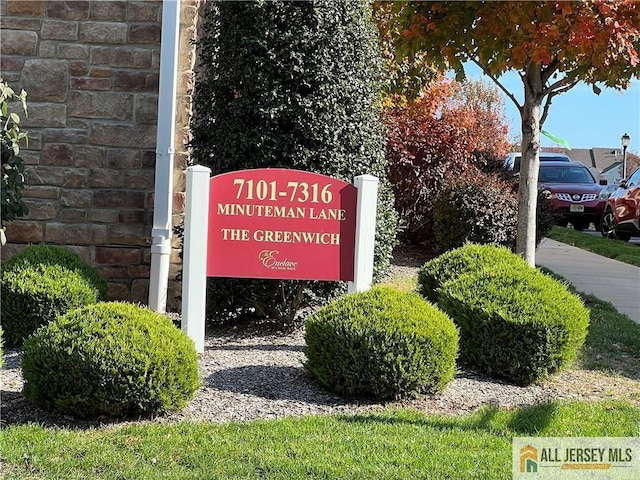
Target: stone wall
91 73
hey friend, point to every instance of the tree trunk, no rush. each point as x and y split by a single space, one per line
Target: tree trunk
529 164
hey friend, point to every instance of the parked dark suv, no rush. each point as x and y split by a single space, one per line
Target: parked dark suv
621 218
512 161
575 194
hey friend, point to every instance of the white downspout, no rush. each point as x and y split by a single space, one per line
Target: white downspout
165 149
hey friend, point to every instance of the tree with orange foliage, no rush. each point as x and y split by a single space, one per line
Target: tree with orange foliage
552 46
451 130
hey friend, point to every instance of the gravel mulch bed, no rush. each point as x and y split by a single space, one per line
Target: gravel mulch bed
259 374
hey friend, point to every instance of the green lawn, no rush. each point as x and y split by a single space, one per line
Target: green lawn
612 345
399 444
617 249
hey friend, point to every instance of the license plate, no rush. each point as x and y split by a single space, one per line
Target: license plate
576 208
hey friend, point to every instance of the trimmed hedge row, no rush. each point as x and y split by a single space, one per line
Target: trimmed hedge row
382 343
115 359
55 255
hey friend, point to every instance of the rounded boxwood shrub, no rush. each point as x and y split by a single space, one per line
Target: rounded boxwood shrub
42 282
33 295
56 255
516 324
381 343
114 359
468 258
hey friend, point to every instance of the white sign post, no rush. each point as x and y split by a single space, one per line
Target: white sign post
366 206
194 280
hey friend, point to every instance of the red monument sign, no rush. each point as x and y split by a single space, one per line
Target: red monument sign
280 223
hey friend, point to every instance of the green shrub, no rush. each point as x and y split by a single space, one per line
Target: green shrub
516 324
478 209
34 295
547 215
13 166
382 343
55 255
291 85
114 359
470 258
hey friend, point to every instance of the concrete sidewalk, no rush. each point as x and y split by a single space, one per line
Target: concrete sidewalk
607 279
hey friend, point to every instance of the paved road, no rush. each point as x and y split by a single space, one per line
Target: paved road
607 279
595 233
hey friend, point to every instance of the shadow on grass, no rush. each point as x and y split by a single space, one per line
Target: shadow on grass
533 420
527 421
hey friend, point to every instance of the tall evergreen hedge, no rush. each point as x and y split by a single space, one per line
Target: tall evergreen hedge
293 85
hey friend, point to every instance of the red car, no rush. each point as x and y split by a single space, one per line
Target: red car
621 218
576 195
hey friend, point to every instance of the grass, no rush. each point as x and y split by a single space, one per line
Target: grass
399 444
617 249
613 341
612 345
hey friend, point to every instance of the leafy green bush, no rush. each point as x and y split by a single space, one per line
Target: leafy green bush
479 209
382 343
547 215
13 166
42 282
34 295
55 255
515 323
291 85
113 359
470 258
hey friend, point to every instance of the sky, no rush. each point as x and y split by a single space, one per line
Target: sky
579 116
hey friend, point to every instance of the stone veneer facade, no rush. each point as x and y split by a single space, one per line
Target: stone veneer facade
91 73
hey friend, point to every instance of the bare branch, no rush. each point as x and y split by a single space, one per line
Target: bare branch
561 86
497 82
545 109
550 95
549 70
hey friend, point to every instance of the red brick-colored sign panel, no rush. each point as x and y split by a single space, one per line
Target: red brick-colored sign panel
280 223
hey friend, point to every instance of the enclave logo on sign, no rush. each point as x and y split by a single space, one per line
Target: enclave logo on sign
269 260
